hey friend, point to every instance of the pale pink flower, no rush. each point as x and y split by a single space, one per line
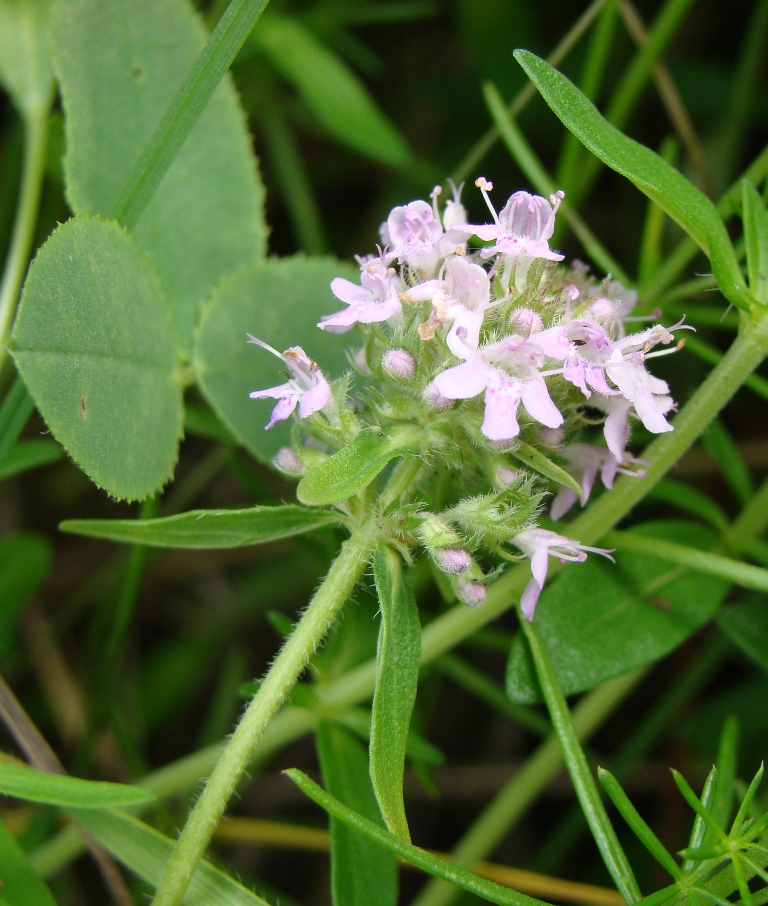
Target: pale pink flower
414 233
523 227
539 544
584 463
377 298
306 386
508 372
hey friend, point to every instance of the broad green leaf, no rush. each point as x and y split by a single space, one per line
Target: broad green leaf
29 454
94 345
746 625
355 466
435 865
581 774
361 871
756 240
597 619
207 529
117 79
67 792
397 675
279 301
25 57
330 89
692 210
21 884
145 852
25 560
537 461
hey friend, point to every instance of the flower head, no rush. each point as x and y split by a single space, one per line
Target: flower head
539 544
306 385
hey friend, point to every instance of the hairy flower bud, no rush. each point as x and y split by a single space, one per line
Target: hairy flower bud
525 321
398 363
471 593
287 460
453 560
436 400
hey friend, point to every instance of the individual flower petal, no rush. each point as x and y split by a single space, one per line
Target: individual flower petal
502 397
464 381
538 403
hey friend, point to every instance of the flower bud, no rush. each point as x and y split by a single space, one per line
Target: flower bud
452 560
471 593
287 460
603 310
525 321
399 364
436 400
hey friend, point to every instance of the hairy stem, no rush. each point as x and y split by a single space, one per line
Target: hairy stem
301 644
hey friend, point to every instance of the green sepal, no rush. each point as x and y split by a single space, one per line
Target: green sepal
534 459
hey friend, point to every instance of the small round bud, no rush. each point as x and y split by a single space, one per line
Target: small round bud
286 460
552 437
436 400
452 560
525 321
603 310
399 364
471 593
505 476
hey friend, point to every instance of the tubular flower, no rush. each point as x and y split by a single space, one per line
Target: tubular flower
306 386
539 545
376 299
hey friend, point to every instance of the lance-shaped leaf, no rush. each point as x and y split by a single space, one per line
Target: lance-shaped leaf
59 789
330 89
207 529
146 851
117 78
94 345
361 871
435 865
650 173
755 219
355 466
397 675
21 885
537 461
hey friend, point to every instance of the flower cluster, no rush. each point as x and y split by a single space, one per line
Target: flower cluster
478 335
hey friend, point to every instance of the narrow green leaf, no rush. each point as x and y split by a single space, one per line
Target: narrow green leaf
185 109
591 804
362 873
279 301
756 240
330 89
726 453
355 466
117 79
537 461
695 803
743 811
690 500
358 720
600 619
25 560
641 830
94 345
435 865
16 409
727 755
29 454
745 623
692 210
145 852
25 57
699 830
59 789
207 529
397 675
704 562
21 884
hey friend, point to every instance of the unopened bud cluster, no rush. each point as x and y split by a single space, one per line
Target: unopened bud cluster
479 336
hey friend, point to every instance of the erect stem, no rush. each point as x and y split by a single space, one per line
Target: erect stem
301 644
35 138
